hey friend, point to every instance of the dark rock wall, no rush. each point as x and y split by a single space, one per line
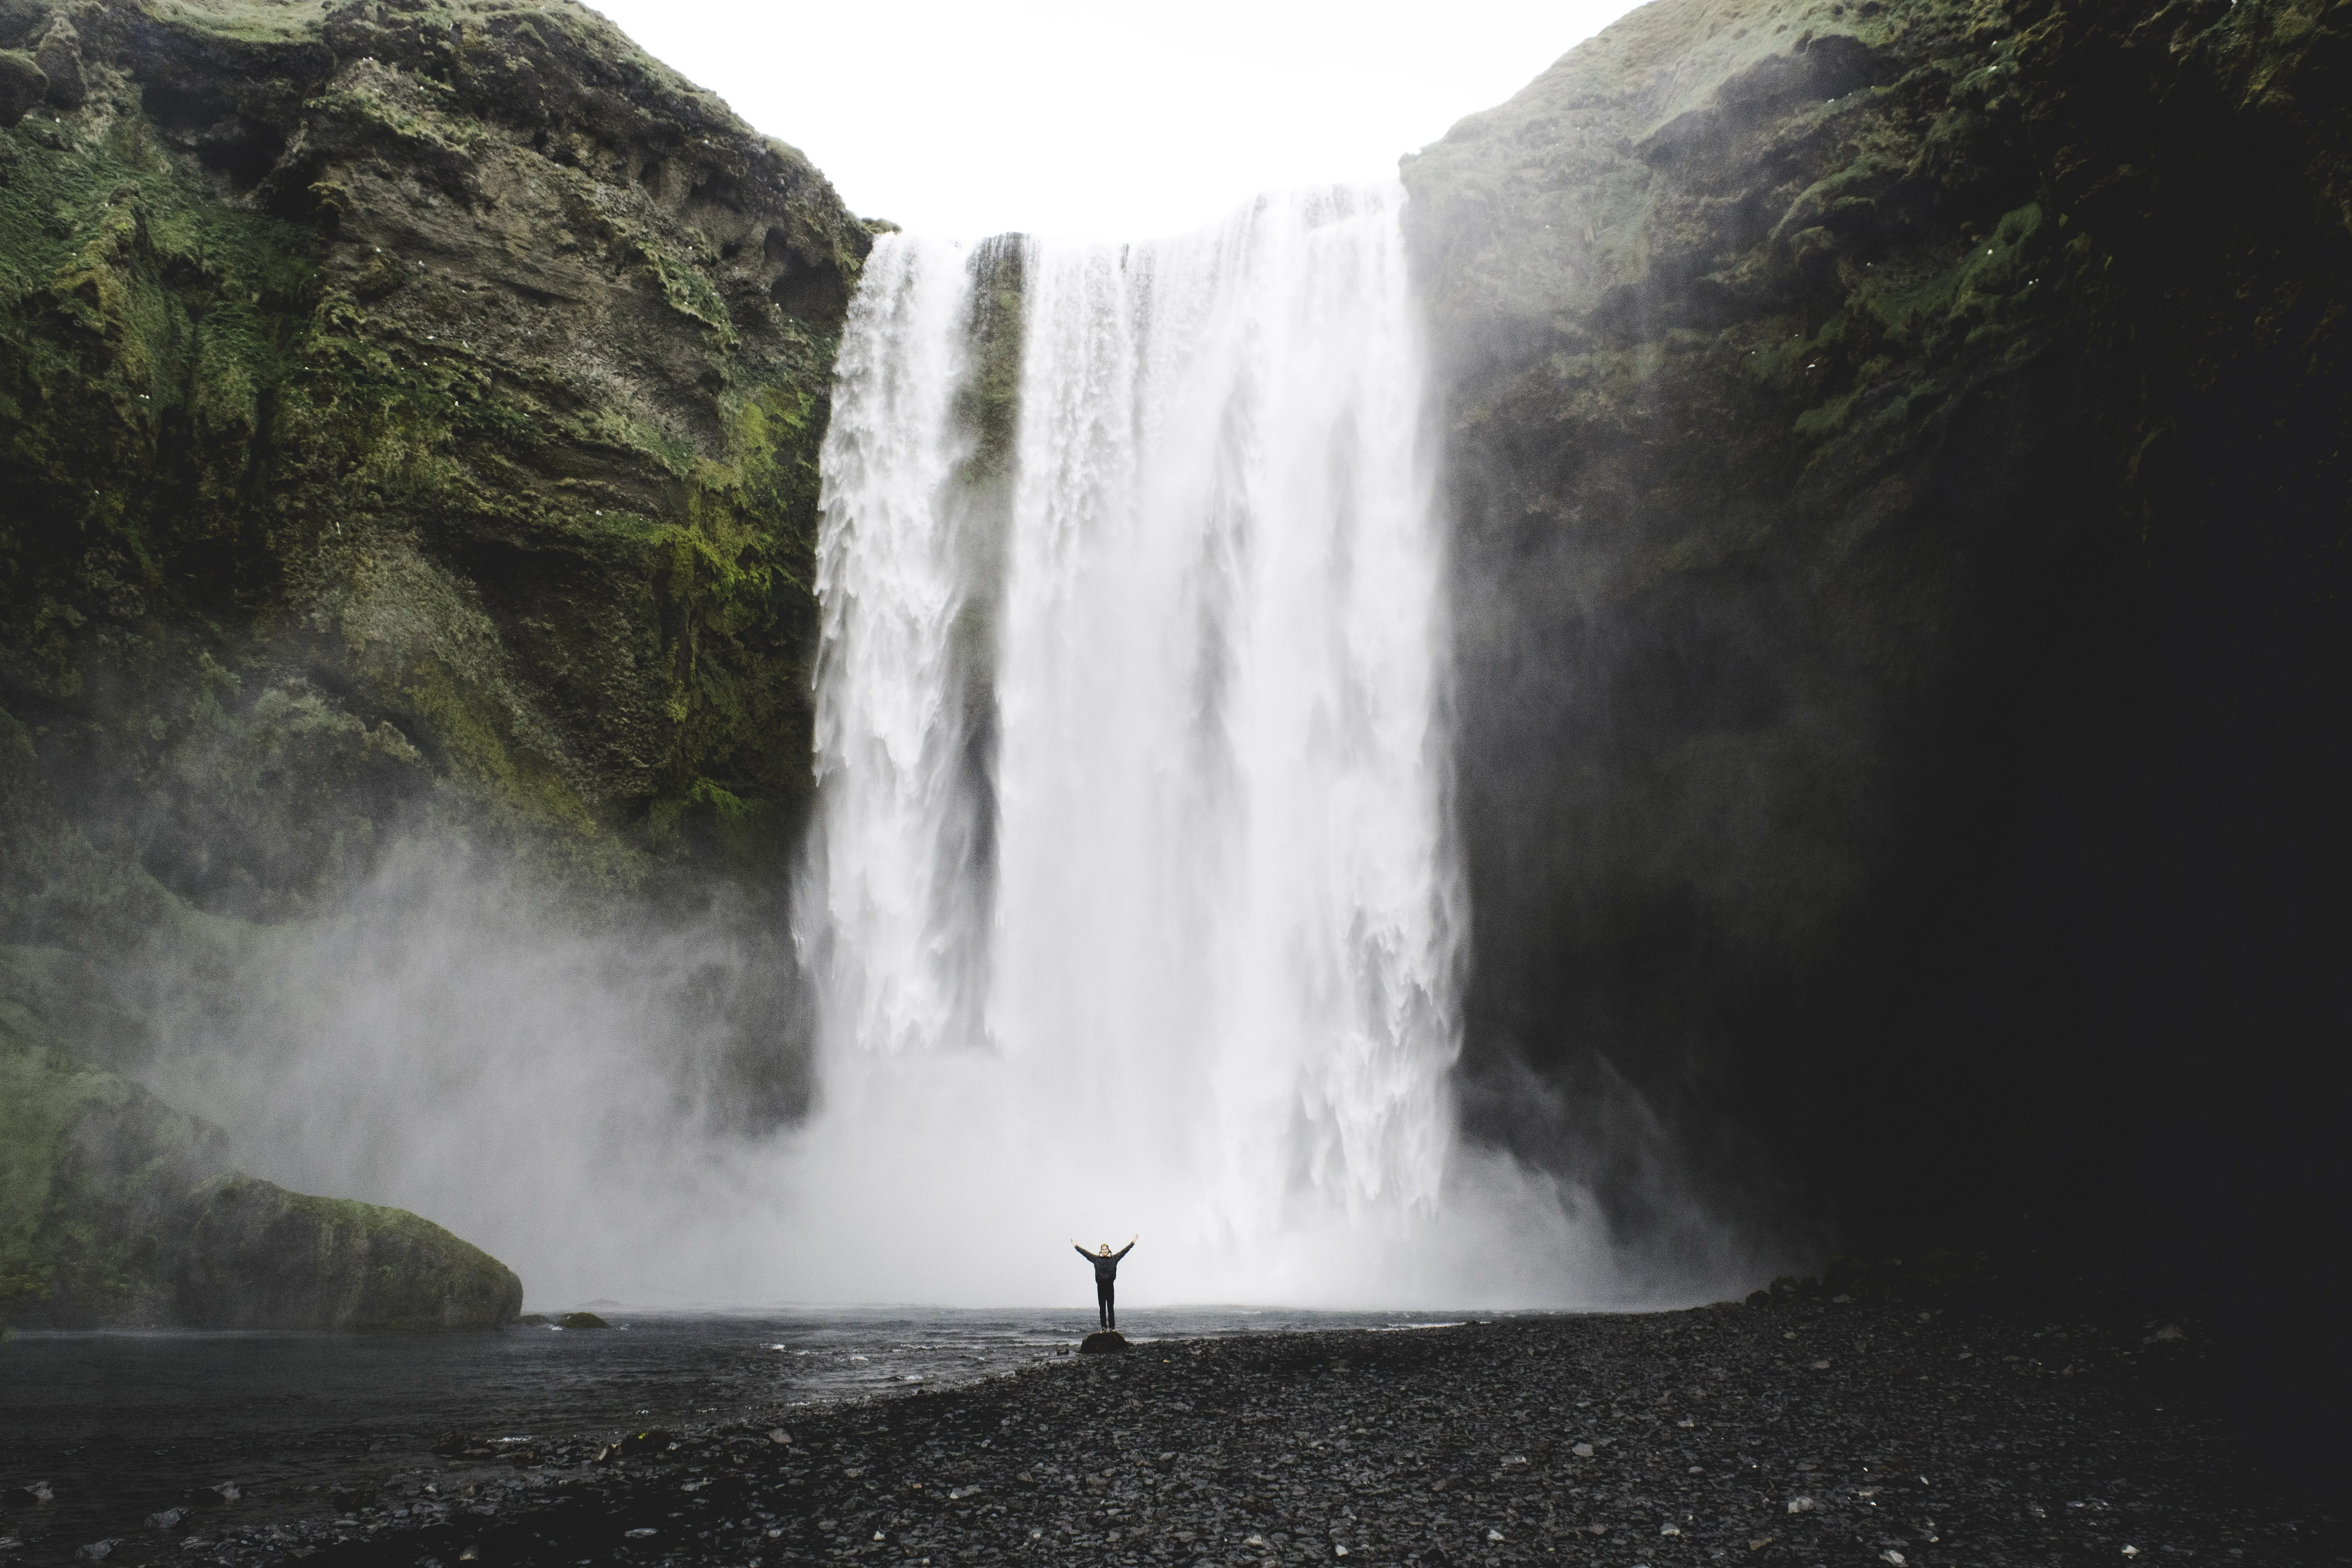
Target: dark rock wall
406 410
1899 462
409 416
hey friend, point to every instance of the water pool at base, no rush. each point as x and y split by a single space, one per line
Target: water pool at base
124 1425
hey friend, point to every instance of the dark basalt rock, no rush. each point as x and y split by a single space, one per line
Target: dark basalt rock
581 1321
1825 1432
1105 1341
22 85
1895 456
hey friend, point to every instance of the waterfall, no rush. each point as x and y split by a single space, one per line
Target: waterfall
1131 897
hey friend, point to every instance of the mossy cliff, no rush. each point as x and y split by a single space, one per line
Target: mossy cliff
1899 460
407 410
117 1210
408 425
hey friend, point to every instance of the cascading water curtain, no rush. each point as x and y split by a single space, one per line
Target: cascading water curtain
1195 974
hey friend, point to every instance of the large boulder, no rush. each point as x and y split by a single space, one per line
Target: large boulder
22 85
259 1256
1896 456
117 1210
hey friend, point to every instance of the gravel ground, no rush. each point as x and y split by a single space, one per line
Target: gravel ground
1809 1431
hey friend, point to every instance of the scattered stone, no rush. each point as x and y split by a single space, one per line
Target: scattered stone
96 1551
32 1494
1105 1341
1455 1431
167 1519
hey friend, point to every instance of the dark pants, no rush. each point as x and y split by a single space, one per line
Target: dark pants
1102 1299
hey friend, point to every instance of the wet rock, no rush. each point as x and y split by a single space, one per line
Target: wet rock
59 56
166 1520
1418 1445
32 1494
581 1321
22 85
1105 1341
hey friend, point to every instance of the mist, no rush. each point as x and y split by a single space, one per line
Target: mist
582 1103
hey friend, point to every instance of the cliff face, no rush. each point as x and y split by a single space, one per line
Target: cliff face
405 409
1899 461
408 427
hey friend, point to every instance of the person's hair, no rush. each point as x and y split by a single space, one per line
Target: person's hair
1106 1246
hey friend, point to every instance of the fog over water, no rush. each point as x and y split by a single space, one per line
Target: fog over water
1130 904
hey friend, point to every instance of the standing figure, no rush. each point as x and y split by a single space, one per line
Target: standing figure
1106 1264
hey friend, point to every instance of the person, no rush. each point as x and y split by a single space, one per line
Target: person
1106 1264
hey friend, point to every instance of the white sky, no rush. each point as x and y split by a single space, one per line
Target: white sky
1093 119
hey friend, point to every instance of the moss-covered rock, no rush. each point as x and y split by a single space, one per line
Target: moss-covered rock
1897 453
259 1256
117 1210
409 412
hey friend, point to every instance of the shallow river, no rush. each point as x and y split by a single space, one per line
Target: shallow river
124 1425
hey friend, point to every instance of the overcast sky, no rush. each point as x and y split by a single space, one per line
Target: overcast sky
1098 119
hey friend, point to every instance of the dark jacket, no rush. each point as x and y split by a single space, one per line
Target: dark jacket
1106 1268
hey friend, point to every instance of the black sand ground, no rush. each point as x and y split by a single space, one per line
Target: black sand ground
1809 1432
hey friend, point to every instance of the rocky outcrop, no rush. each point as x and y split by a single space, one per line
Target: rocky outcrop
409 412
118 1211
408 425
1898 457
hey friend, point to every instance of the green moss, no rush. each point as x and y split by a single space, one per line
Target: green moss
90 1169
261 428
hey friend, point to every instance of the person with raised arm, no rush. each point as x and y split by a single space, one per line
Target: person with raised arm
1106 1264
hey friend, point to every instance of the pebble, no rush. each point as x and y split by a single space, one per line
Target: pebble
1531 1441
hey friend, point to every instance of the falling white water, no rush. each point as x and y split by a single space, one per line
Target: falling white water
1151 924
